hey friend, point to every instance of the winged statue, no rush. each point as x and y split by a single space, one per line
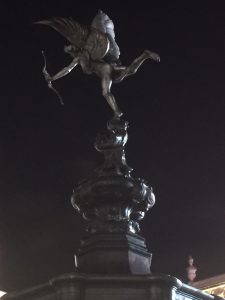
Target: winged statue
94 48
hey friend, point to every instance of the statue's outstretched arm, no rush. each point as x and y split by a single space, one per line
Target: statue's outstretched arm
60 74
63 72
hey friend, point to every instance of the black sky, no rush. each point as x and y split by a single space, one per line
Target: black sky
176 137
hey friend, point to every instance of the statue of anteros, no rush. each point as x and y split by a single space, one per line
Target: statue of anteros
94 48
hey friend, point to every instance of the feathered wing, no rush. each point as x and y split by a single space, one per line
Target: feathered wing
71 30
83 37
103 23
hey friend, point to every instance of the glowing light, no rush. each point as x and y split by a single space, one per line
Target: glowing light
218 290
2 293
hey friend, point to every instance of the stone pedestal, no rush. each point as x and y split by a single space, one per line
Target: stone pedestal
112 262
113 202
115 253
78 286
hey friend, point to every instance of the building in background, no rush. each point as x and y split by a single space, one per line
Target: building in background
214 285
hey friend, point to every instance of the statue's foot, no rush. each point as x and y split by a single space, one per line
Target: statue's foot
118 114
152 55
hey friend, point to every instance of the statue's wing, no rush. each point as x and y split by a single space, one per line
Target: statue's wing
97 44
104 24
71 30
83 37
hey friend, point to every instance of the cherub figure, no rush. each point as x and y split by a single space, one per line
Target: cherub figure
94 48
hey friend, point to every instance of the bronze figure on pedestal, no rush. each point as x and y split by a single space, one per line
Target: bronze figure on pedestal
94 48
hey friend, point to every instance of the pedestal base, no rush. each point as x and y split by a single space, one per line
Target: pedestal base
114 253
76 286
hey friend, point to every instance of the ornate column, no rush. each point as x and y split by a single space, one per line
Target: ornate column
113 202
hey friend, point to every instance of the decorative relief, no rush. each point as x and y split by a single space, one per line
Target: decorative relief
111 200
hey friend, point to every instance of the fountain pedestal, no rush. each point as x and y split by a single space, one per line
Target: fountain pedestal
113 202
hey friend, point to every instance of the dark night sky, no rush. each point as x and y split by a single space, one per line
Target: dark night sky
176 137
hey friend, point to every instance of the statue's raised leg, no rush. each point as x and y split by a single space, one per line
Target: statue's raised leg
135 65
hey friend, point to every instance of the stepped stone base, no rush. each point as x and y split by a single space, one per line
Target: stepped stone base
78 286
115 253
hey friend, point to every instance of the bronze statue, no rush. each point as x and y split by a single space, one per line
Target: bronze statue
94 48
